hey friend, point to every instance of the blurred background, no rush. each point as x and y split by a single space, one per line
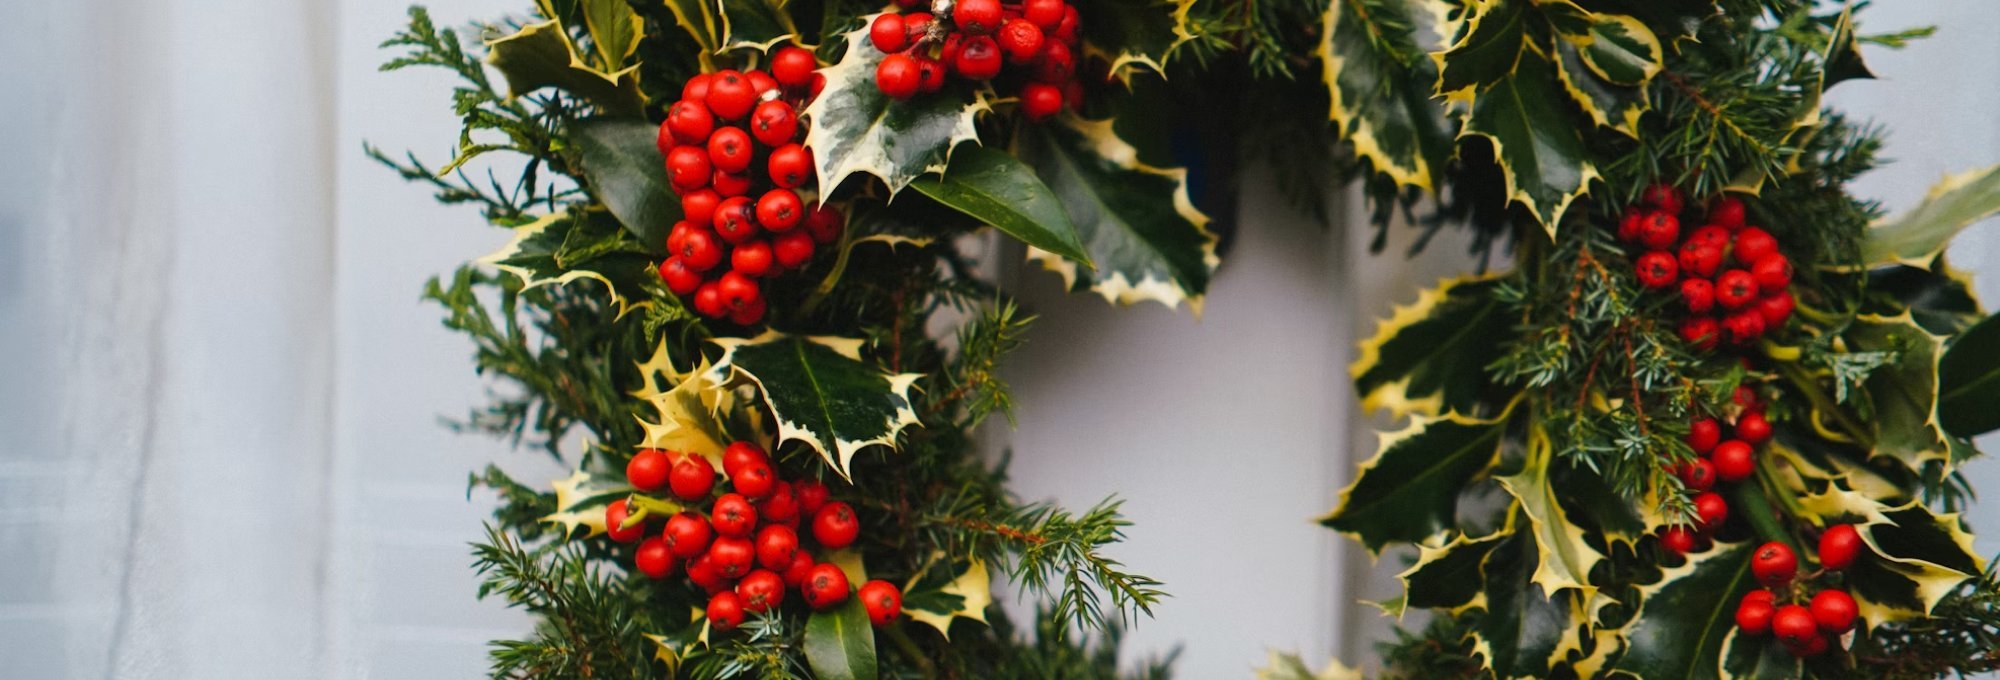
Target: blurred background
220 454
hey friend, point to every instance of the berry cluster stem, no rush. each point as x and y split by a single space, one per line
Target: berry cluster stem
1825 404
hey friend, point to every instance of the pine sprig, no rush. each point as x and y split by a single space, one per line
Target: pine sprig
589 627
1961 636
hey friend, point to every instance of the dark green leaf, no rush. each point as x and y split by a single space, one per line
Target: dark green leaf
1675 19
857 129
622 163
1380 85
756 24
1450 575
1431 357
1540 153
565 247
1755 657
1969 381
1843 57
1136 32
839 643
995 188
1523 631
1687 615
1903 395
1608 104
1494 40
540 55
821 393
1939 298
614 28
1410 490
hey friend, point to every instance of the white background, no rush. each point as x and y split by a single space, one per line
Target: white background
219 450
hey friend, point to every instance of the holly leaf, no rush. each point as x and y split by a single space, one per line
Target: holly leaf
1608 515
1755 657
1142 232
1939 298
1430 357
579 503
1409 490
995 188
1524 633
947 589
839 643
1608 104
755 24
1969 381
1449 576
697 17
1914 559
1918 235
1677 20
541 55
1375 75
1903 396
565 247
1616 48
1130 34
688 412
1687 616
1566 559
614 29
821 393
857 129
1288 666
623 166
1540 153
1487 49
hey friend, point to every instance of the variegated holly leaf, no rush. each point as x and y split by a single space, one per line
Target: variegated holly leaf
614 29
1903 396
1430 357
947 589
1591 503
858 130
1917 236
1288 666
1687 616
579 503
1939 298
1539 151
1379 81
1136 221
689 411
1676 20
1410 490
1566 558
1487 49
698 18
995 188
1525 632
755 24
622 164
1448 576
840 642
1755 657
1969 381
1131 34
1616 48
821 393
541 55
1915 557
564 247
1608 102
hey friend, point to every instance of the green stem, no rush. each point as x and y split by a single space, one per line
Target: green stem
1825 404
1754 502
649 505
832 277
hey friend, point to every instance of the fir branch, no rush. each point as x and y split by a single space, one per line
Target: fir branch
590 627
1961 636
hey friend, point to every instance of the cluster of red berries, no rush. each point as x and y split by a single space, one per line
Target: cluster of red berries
747 550
733 153
1717 460
1040 36
1731 277
1804 629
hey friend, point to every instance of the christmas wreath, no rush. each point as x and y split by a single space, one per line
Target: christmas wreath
1703 421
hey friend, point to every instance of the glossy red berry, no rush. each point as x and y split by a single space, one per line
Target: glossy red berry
1041 100
688 168
732 556
1701 332
795 573
1773 272
978 59
1677 540
1698 475
737 290
730 94
1775 308
729 149
1698 295
1735 288
678 277
755 481
654 558
794 66
1761 595
977 17
1752 244
1657 270
761 82
690 121
692 478
883 600
1734 460
1629 224
1753 428
614 520
780 506
1710 510
701 570
835 525
774 123
1743 327
730 184
825 586
740 454
1659 230
687 534
1754 616
753 258
1774 564
699 251
812 495
725 610
1711 235
793 249
1703 434
1046 14
736 219
1839 547
931 73
733 516
776 543
1794 625
1700 258
917 25
1664 197
1021 40
780 209
898 76
1056 64
1813 646
708 300
1066 30
698 207
696 88
647 471
790 166
825 223
1727 212
888 33
761 590
751 312
1834 611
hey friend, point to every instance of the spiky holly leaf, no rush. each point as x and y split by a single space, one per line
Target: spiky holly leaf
995 188
1566 558
1136 221
621 162
1687 615
1525 632
1130 34
756 24
1448 576
1753 657
1608 104
697 17
840 642
1378 82
688 406
1903 396
1915 557
579 503
564 247
821 393
1677 20
1410 489
1539 151
947 589
1287 666
1430 357
1917 236
1489 46
1615 47
1969 381
1590 500
1939 298
541 55
857 129
614 29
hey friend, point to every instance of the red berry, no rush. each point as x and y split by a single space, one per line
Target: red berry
1814 646
776 543
1773 272
761 82
654 558
678 277
780 210
931 72
1700 332
818 86
1710 510
753 258
1775 308
730 184
780 506
1743 327
699 251
1041 100
1629 224
1761 595
1794 625
614 520
1735 288
688 168
1698 475
1677 540
1703 435
888 33
883 600
1700 258
701 570
733 515
825 223
696 88
812 495
729 149
917 25
898 76
794 66
664 140
1726 213
1066 30
774 123
692 478
1834 611
1774 564
687 534
1697 294
793 248
725 610
755 480
795 573
1754 616
1657 270
736 219
737 290
1839 546
1712 235
647 471
978 59
741 454
732 556
1734 460
1664 197
761 590
1746 397
751 312
1046 14
790 166
825 587
1753 428
1753 244
1021 40
1659 230
835 525
977 17
1056 64
708 300
699 207
730 94
690 121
